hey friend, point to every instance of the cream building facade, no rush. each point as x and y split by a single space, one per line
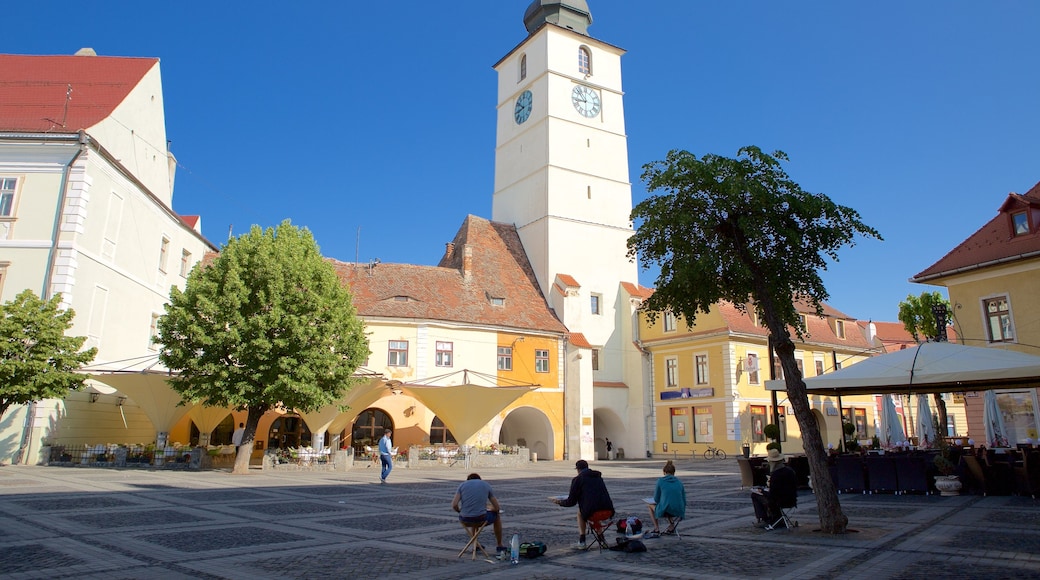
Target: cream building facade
87 186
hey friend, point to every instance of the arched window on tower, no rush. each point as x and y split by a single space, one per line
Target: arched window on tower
523 67
584 61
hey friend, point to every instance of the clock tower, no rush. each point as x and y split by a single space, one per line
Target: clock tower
561 177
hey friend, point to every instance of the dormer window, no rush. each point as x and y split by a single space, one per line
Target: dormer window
496 301
584 61
839 329
400 299
1020 223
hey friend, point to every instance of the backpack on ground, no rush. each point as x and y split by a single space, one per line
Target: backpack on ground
532 549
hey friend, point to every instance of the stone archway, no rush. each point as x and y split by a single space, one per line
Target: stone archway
530 426
608 425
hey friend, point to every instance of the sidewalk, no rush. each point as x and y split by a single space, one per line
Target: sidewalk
112 524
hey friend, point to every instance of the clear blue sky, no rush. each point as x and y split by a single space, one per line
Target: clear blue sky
921 115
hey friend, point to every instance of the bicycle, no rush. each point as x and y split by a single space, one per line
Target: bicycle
714 453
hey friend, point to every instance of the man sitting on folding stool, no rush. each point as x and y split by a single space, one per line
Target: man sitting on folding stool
472 501
782 493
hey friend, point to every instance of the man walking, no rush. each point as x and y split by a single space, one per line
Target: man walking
386 455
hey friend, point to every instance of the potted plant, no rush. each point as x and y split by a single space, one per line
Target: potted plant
848 429
946 482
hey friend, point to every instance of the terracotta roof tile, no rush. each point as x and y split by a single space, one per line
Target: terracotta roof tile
568 280
578 339
497 267
893 336
993 243
33 90
636 290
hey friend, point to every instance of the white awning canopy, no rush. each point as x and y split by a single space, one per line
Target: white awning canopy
930 367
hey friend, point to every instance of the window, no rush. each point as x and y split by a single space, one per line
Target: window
164 251
671 372
584 61
594 303
758 423
595 359
669 322
998 319
398 354
505 358
368 428
801 367
700 363
819 367
185 263
523 67
804 321
752 368
495 301
778 371
439 434
7 187
541 361
837 366
153 331
839 329
445 350
704 426
680 425
1020 222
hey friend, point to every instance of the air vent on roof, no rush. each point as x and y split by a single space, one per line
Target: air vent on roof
85 51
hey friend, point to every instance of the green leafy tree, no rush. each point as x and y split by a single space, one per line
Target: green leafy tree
265 324
918 319
740 230
37 359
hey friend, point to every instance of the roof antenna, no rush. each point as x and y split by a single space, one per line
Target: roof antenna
229 227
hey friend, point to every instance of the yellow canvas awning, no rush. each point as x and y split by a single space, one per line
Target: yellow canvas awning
465 400
149 389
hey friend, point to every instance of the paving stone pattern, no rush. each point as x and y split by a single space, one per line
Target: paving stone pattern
94 523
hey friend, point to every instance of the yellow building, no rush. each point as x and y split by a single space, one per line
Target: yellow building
992 278
708 380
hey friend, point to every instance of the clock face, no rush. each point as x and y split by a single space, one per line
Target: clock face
586 100
522 110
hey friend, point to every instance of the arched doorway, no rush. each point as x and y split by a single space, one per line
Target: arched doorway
221 434
608 425
439 434
288 431
528 427
368 428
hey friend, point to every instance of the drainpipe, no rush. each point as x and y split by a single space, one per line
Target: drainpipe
25 447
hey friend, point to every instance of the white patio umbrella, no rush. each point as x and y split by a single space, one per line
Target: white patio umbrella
891 424
996 435
925 426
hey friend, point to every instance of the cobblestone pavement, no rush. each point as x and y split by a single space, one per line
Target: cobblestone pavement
103 523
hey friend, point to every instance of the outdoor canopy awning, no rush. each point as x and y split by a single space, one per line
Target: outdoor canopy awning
150 391
930 367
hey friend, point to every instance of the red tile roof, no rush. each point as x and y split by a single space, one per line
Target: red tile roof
578 339
497 267
994 243
33 90
893 336
568 280
636 290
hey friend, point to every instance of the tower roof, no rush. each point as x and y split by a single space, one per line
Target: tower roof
572 14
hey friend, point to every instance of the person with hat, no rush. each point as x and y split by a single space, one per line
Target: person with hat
589 493
783 490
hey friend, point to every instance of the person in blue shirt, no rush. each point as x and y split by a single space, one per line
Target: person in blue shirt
669 501
386 455
476 503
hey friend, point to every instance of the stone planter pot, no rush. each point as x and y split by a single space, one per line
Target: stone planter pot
948 484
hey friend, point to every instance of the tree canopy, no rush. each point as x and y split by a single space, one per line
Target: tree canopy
917 317
37 359
740 230
265 323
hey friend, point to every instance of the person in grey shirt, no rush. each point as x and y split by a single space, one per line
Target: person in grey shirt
472 501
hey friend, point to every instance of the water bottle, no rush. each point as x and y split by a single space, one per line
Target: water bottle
514 549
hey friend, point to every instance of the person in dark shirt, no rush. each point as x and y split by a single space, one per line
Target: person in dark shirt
589 493
783 490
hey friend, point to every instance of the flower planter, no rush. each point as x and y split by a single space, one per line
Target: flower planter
948 484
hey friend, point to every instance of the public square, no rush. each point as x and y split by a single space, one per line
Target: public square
132 523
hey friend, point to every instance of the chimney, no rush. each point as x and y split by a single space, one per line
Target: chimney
467 263
85 51
449 250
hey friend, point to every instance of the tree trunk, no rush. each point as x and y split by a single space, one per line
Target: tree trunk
245 449
940 411
832 519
